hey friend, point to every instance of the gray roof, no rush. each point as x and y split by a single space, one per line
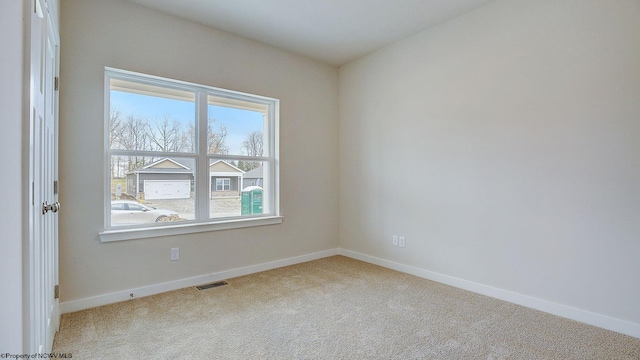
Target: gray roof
256 173
163 171
147 169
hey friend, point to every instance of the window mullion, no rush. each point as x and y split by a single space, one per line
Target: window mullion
203 179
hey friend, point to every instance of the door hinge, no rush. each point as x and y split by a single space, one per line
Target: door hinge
33 193
56 292
37 9
56 83
55 187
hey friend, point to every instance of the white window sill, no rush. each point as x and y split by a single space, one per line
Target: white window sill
187 228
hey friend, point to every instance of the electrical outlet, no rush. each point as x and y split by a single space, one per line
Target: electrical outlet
175 254
394 240
401 241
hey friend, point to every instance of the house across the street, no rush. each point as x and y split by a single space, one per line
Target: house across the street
170 179
225 179
254 177
163 179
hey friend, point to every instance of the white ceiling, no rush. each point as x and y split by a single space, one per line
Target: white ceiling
331 31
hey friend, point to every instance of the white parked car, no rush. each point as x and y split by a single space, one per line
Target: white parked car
125 212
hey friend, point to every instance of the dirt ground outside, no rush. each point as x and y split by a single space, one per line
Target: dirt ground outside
219 206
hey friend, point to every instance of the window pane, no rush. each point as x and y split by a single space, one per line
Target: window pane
147 190
236 127
151 118
223 184
238 188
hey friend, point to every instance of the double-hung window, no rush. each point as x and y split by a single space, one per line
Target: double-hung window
223 184
187 156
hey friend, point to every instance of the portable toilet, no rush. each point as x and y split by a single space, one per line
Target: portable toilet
251 200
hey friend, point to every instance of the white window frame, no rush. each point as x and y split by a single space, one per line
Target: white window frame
225 182
202 223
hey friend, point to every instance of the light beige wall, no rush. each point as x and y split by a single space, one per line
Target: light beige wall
510 143
99 33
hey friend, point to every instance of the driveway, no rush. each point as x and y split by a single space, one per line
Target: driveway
219 207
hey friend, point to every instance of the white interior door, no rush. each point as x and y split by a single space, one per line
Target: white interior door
43 226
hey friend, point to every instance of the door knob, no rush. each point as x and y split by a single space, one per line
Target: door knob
46 207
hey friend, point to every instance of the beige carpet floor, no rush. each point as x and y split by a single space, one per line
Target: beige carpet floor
333 308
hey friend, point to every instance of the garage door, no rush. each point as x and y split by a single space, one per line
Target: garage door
161 189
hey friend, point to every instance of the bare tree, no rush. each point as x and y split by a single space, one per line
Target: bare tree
166 135
115 127
216 138
187 141
115 134
129 134
252 146
135 136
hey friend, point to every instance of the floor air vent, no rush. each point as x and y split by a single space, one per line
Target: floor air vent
212 285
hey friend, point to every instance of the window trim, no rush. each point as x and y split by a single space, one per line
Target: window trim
224 182
201 211
183 228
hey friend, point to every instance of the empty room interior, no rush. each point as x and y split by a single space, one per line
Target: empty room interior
435 179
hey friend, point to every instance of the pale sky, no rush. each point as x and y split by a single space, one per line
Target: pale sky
239 123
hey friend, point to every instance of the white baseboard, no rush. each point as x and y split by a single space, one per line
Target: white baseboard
95 301
587 317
